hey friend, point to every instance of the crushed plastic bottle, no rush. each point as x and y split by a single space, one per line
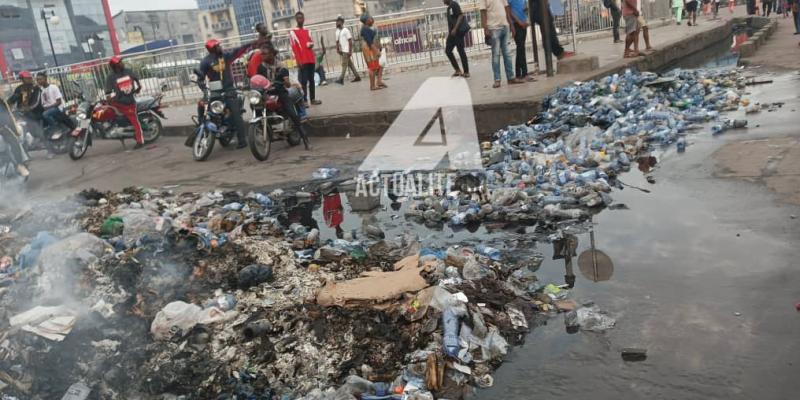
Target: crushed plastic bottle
325 173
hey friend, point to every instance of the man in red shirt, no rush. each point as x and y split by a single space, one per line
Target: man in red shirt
303 49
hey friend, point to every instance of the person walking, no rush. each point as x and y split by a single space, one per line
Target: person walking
631 15
677 9
691 12
796 16
124 85
303 50
766 7
613 7
344 46
457 27
496 22
519 15
372 52
731 5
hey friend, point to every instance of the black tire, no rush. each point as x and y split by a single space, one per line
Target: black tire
78 146
293 138
203 145
225 141
152 134
259 140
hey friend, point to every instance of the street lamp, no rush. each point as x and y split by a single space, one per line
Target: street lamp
50 16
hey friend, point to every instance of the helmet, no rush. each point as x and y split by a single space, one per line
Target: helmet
211 43
24 74
259 82
114 61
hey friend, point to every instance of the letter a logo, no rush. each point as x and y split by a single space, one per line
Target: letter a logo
436 130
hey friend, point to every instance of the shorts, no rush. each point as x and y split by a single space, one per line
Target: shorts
691 6
631 24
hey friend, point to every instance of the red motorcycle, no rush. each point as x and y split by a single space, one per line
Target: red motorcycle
103 121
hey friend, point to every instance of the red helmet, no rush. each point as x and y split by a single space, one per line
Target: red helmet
211 43
24 74
259 82
114 61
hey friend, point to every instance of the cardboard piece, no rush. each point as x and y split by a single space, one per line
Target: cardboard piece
376 287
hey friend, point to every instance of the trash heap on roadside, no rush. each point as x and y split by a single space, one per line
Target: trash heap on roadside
152 294
565 161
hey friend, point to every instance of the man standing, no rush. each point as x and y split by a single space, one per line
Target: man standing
631 15
51 100
457 28
344 46
281 86
616 14
643 26
677 8
555 46
496 22
216 66
124 84
519 16
691 12
303 49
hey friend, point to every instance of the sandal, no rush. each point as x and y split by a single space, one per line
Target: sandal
456 74
496 85
382 86
466 75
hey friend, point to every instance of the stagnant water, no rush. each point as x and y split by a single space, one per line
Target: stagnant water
704 277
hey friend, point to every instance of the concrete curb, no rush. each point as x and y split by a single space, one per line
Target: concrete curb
766 29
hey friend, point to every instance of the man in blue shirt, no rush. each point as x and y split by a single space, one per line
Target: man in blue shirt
520 18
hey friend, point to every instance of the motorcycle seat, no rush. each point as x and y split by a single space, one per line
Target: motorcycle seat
145 102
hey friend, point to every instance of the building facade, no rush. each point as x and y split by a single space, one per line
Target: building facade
80 30
217 18
135 28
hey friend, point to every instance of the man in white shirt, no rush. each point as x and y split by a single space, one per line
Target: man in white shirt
51 101
344 46
497 24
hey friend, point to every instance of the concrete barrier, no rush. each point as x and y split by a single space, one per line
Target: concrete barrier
747 49
578 63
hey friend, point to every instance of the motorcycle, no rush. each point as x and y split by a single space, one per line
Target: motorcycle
268 125
214 124
103 121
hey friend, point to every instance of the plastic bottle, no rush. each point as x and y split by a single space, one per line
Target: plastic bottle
451 321
681 145
490 252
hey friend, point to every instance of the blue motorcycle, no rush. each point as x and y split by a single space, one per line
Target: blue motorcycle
213 123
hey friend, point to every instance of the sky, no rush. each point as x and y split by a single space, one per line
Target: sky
138 5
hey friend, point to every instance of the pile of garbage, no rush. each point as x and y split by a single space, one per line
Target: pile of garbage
565 161
153 294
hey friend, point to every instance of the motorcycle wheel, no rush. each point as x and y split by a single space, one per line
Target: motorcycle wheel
78 146
260 140
152 134
203 145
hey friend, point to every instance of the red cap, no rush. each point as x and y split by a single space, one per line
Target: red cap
116 60
211 43
24 74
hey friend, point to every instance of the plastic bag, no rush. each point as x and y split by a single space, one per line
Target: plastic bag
173 318
383 60
589 319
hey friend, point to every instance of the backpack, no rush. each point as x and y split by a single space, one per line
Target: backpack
607 3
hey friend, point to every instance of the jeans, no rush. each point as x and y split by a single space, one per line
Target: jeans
456 42
305 74
766 8
521 63
796 16
616 15
54 116
232 102
500 45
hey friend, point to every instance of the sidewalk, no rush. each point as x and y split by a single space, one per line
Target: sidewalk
356 99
